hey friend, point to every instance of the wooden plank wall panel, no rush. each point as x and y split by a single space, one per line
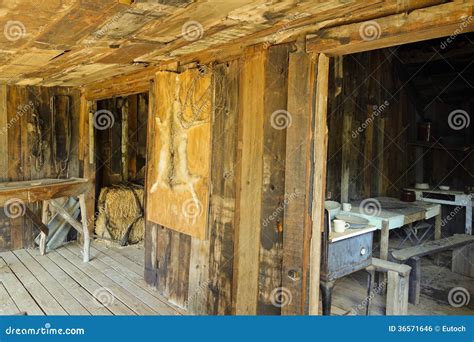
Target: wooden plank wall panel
276 119
248 228
238 269
297 182
22 102
223 180
368 132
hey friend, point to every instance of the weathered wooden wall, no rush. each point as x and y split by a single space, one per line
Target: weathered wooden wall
238 268
19 152
368 121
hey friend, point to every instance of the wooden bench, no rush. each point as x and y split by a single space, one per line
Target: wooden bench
459 243
397 285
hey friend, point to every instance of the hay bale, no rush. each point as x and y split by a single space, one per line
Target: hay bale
119 207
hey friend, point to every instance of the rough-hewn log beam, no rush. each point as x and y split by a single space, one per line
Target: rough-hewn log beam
446 20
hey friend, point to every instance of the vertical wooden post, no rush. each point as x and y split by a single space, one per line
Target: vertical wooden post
88 157
151 234
319 179
297 219
249 189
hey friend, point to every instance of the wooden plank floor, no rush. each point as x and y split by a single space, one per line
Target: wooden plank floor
59 283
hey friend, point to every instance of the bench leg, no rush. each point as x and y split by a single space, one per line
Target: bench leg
461 262
44 219
415 280
85 229
326 296
397 294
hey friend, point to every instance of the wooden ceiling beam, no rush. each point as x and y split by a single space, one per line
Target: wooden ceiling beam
422 24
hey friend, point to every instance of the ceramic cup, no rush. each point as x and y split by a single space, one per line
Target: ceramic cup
346 206
340 226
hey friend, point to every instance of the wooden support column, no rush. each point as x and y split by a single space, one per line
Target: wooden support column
86 152
151 234
319 180
249 188
299 160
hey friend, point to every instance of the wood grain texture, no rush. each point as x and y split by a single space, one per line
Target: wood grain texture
249 193
224 165
297 183
178 196
273 199
319 179
420 24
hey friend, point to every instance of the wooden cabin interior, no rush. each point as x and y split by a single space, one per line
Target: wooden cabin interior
201 157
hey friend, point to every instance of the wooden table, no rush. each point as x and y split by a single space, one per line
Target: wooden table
388 219
448 197
14 197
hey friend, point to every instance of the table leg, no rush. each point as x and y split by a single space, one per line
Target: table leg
85 229
44 219
437 234
326 296
384 240
469 217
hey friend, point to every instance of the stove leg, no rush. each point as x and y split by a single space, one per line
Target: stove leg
326 294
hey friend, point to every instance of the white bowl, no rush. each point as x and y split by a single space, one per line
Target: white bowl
422 186
444 187
333 208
